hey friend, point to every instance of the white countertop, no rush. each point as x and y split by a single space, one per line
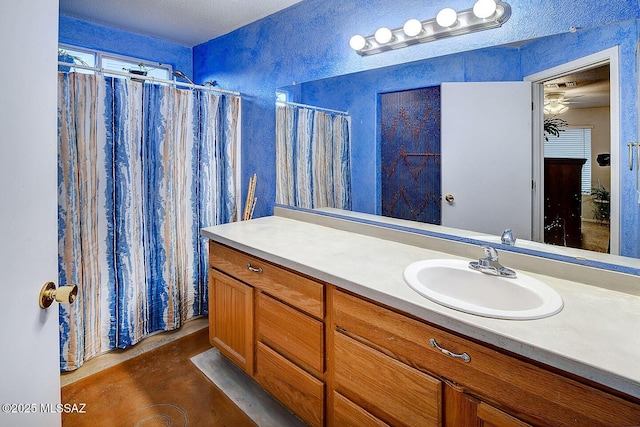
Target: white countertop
595 336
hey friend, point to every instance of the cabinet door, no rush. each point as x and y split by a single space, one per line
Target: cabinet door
231 319
463 410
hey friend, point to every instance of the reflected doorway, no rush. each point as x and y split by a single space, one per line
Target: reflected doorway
577 167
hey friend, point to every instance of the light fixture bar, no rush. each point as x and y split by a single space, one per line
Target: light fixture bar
467 22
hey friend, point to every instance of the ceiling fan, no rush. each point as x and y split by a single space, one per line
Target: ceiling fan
557 103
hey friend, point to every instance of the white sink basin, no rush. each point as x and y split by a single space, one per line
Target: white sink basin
453 284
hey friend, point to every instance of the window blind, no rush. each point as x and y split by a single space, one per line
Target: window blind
573 143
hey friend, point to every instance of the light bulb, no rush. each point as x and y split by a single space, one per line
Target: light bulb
484 9
412 27
383 35
555 108
447 17
357 42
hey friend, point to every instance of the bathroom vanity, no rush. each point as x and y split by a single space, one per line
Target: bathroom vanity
316 310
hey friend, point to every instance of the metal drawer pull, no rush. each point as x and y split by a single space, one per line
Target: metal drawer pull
255 270
463 356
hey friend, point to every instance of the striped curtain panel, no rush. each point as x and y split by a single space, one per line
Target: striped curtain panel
142 168
313 167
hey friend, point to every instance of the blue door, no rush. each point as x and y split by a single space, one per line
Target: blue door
410 154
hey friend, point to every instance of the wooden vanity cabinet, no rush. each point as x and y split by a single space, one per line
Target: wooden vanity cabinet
283 314
491 388
377 366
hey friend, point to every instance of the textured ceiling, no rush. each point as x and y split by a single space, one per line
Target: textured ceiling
188 22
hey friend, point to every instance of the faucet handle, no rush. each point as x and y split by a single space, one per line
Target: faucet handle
507 237
490 265
490 253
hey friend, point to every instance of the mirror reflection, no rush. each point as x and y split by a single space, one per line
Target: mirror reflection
581 206
577 135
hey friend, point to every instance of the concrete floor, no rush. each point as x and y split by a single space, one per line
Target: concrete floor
117 356
174 379
158 388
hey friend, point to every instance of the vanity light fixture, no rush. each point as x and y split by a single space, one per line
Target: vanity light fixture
484 15
412 28
485 9
358 42
447 18
383 35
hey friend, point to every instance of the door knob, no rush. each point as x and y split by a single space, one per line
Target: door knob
449 198
65 294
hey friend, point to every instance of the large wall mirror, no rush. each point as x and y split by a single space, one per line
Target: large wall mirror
586 82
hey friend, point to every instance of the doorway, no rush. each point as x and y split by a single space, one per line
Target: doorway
577 212
579 97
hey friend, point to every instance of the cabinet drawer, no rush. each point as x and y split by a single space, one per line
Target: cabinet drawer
490 416
385 387
291 333
348 414
300 292
527 391
296 389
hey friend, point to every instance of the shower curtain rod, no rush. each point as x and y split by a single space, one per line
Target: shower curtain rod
150 78
311 107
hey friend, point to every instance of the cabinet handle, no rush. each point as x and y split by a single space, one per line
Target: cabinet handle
463 356
255 270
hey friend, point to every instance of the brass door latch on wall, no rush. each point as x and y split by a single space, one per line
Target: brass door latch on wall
64 294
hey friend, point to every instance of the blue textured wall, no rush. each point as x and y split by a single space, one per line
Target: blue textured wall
81 33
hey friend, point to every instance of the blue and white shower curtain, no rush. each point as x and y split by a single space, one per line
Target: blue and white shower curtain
313 167
141 168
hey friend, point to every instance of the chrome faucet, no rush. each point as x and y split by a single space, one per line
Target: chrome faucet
490 265
507 237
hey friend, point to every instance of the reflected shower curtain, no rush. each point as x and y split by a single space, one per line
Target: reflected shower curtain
141 168
313 167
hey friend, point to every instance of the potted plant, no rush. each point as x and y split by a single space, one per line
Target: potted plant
553 126
142 70
64 56
601 203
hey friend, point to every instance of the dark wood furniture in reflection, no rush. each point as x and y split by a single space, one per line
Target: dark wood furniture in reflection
563 201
